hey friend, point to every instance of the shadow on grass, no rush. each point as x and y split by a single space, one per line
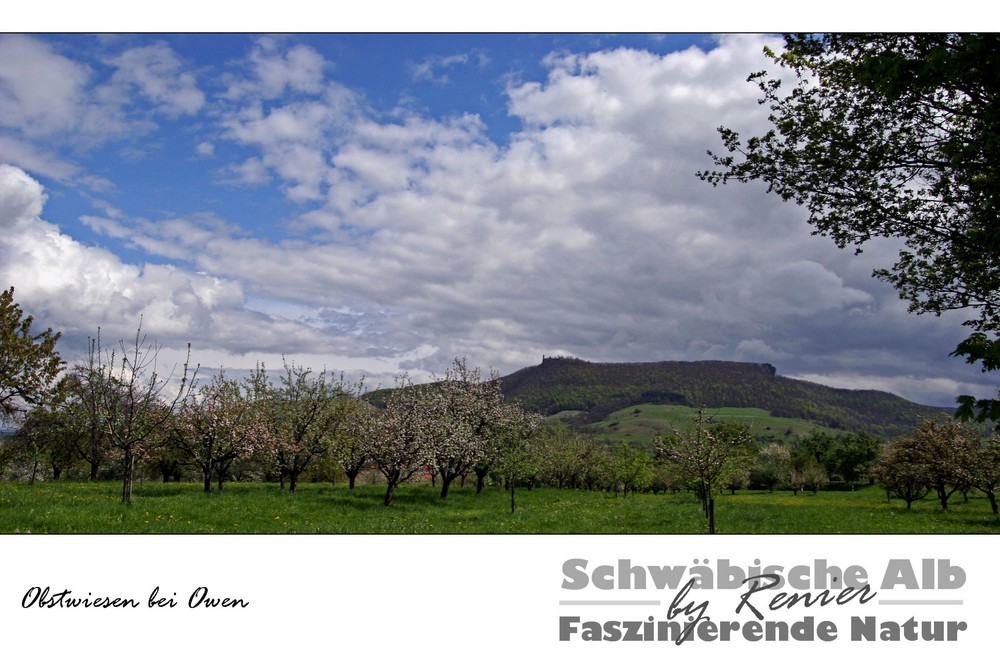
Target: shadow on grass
161 490
987 523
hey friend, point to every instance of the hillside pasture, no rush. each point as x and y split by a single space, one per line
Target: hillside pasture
639 424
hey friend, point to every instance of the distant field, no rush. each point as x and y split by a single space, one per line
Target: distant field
641 423
83 507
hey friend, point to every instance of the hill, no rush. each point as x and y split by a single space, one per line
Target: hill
596 390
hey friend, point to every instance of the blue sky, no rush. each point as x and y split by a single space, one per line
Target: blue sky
374 203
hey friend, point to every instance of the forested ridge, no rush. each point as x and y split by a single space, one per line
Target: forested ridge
598 389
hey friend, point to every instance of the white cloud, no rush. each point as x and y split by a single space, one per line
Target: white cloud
41 91
939 391
294 140
48 164
45 95
274 71
83 288
21 198
428 69
49 103
801 288
251 171
156 72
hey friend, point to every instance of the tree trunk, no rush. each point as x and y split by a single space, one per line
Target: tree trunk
127 474
351 477
512 487
446 481
94 470
222 472
293 480
711 516
208 480
388 494
943 497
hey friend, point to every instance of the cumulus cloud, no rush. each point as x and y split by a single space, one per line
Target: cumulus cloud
158 75
294 140
801 288
81 288
410 240
272 70
41 91
932 390
21 198
430 69
50 102
44 94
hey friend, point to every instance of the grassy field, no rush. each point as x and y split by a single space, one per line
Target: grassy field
94 508
640 423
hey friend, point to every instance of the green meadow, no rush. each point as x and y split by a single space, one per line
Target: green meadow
257 508
640 424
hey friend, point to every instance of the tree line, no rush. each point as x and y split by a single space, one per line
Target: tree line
117 410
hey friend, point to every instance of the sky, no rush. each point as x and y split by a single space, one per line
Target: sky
380 203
